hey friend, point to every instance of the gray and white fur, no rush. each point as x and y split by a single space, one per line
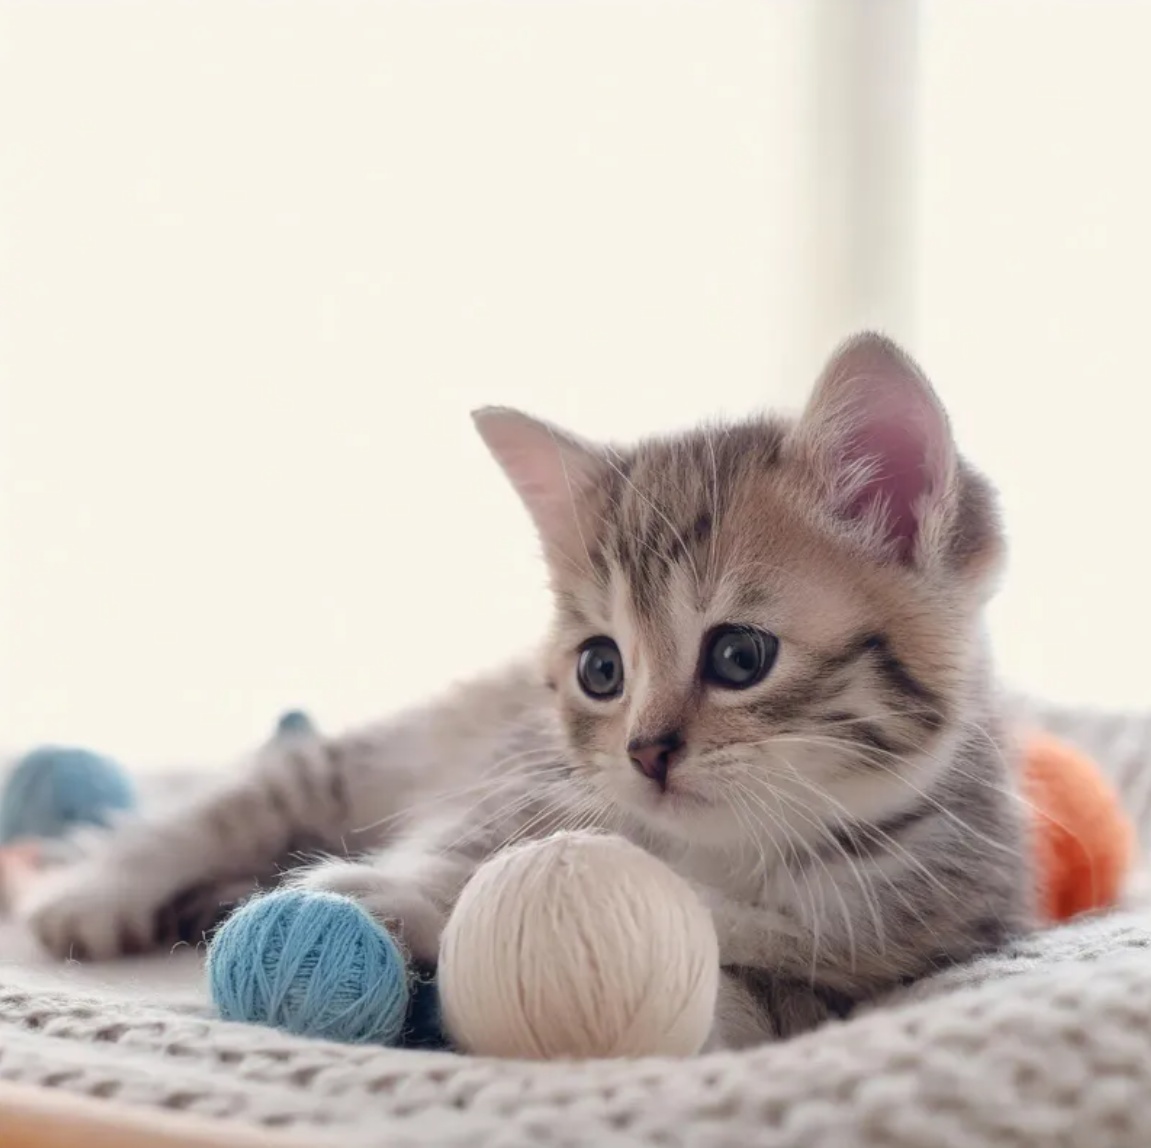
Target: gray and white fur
798 716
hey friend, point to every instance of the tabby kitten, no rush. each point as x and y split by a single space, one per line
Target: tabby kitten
767 666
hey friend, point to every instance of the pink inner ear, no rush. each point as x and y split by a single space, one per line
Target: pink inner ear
883 435
550 470
896 454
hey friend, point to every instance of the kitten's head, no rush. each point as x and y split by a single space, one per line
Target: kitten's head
770 623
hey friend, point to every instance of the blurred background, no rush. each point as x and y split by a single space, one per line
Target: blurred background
258 261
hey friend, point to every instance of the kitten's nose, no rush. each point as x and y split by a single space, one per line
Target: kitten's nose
654 756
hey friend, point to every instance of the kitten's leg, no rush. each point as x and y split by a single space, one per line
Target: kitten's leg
412 883
410 887
164 880
154 882
739 1022
756 1005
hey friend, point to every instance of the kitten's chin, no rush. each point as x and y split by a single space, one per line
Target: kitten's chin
679 813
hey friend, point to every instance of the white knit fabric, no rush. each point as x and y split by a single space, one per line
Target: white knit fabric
1046 1044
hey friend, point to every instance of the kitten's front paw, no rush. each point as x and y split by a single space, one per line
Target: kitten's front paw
90 911
739 1020
97 910
409 914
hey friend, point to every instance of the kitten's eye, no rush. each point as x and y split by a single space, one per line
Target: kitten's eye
600 668
737 657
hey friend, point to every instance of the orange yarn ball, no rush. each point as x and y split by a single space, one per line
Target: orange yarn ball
1084 840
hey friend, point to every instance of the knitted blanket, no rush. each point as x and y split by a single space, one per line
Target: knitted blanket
1048 1043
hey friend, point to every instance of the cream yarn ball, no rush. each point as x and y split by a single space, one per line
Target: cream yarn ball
575 946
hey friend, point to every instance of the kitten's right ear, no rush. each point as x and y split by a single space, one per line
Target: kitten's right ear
552 471
882 444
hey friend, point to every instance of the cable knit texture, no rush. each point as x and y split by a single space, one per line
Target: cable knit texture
1048 1043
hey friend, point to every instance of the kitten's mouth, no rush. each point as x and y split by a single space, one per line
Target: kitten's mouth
672 796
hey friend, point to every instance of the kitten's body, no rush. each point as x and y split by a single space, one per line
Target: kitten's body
848 815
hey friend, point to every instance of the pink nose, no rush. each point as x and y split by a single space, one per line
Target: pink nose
655 756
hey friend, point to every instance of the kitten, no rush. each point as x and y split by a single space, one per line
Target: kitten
767 666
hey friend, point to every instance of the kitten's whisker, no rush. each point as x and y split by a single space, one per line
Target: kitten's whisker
754 837
754 831
551 809
590 813
591 816
428 805
775 819
473 832
743 815
1018 796
908 857
873 830
525 764
523 831
876 758
838 722
950 814
798 840
865 888
836 887
811 817
550 798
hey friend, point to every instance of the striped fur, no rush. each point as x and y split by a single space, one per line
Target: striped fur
851 819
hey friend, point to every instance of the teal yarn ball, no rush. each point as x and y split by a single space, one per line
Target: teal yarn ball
54 789
293 723
312 964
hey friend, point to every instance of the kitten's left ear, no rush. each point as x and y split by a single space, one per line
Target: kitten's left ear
882 444
553 472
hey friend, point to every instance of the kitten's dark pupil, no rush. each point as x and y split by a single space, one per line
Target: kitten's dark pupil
737 654
740 657
600 671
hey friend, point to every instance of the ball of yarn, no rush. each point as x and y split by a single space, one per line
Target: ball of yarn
293 723
579 945
313 964
54 789
1085 844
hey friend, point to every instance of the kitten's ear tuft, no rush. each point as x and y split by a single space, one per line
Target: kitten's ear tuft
882 442
552 471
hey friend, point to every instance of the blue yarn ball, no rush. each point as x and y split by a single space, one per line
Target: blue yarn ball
313 964
55 788
294 722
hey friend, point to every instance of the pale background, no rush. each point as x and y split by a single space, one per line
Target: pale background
258 261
